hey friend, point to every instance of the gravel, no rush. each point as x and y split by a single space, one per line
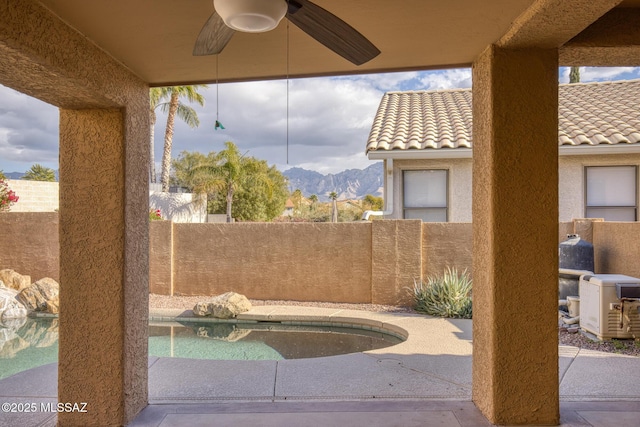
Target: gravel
628 347
577 339
187 303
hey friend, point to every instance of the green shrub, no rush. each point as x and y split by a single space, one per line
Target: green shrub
445 296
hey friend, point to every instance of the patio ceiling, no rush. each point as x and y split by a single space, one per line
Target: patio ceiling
155 38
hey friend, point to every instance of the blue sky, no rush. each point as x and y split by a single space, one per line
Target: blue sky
328 123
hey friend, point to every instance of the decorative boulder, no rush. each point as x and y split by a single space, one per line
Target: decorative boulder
225 306
222 332
42 295
14 280
10 307
10 343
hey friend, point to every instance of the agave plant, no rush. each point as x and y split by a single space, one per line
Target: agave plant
448 295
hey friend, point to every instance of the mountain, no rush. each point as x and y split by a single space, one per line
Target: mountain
349 184
14 175
19 175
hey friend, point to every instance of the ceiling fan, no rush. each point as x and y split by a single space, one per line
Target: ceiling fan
256 16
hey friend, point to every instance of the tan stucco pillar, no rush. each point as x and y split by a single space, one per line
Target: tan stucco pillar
103 269
515 235
104 199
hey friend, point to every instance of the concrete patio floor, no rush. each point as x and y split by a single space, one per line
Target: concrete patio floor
424 381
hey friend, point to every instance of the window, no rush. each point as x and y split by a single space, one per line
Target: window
425 195
611 193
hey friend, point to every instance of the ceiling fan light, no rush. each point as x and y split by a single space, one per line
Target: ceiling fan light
251 16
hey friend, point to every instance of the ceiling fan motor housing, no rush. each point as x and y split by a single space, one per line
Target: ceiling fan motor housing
251 16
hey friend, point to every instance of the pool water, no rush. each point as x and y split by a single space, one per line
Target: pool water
29 343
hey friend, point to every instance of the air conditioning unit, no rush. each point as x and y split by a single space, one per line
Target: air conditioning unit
609 305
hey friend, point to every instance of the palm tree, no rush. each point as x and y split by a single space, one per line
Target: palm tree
313 199
334 206
224 173
40 173
187 114
156 94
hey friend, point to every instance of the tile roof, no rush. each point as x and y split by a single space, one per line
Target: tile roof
589 114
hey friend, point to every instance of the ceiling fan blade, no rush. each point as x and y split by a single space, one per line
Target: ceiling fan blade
213 37
331 31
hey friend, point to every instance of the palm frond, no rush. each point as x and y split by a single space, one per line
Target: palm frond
188 115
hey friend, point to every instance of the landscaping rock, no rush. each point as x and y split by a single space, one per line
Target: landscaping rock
222 332
225 306
42 295
14 280
38 335
10 343
10 307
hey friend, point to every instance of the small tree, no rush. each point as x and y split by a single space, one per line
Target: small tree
296 199
40 173
372 202
243 187
574 75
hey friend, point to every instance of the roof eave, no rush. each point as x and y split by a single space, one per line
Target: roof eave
466 153
585 149
442 153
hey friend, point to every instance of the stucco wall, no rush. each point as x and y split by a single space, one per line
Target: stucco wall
365 262
29 244
179 207
34 196
309 262
446 245
616 247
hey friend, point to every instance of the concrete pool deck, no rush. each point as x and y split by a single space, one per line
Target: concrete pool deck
425 380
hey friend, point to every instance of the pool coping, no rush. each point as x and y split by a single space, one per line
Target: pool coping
274 314
434 362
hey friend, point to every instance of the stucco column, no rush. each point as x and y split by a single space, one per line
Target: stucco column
103 266
515 235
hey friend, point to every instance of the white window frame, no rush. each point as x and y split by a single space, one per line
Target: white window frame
434 208
590 206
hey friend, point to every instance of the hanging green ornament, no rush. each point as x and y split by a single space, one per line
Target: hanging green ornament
219 125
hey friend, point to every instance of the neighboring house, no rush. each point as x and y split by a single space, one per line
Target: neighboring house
288 208
41 196
425 139
34 196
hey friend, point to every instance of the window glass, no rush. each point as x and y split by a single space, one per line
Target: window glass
611 186
611 193
425 195
427 215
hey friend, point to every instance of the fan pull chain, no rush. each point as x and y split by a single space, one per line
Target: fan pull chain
287 91
218 124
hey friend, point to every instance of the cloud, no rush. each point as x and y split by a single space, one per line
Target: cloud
326 125
447 79
598 74
325 122
28 132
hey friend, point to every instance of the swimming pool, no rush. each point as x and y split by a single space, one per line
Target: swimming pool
28 343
